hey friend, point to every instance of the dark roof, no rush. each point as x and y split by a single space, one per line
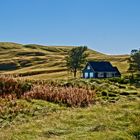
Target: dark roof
117 70
102 66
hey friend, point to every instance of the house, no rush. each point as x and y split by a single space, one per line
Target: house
101 69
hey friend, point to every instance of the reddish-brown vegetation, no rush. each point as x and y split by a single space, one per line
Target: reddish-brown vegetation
70 96
11 86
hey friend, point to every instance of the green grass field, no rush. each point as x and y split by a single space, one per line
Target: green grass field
108 121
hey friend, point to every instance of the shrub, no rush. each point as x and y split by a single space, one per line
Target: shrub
112 95
9 85
122 86
71 96
120 80
125 93
135 132
104 93
129 93
13 110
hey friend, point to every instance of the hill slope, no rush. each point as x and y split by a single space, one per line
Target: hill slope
43 62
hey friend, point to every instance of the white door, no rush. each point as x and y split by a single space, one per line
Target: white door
86 74
91 74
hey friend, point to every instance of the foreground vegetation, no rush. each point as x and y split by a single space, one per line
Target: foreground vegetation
31 108
69 109
101 122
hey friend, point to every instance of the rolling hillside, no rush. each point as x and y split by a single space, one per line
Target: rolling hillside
44 62
72 109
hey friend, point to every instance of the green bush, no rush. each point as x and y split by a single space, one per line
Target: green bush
104 93
125 93
112 95
135 132
120 80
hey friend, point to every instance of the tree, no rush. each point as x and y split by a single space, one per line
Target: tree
134 61
76 59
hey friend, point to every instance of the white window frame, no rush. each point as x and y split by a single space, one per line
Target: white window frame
86 74
91 74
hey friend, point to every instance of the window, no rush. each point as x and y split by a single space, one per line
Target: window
109 74
88 67
100 74
86 74
91 75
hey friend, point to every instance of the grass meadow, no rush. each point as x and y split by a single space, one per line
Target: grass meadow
74 109
39 99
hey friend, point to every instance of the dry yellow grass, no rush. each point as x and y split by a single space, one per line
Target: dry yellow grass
23 59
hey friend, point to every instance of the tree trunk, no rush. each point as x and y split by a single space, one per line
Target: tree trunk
75 71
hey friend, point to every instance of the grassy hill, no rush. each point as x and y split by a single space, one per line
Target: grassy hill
45 62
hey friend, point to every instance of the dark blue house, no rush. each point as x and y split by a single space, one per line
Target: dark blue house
101 69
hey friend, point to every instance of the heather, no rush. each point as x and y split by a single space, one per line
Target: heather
69 109
71 96
14 87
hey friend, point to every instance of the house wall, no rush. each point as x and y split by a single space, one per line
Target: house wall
88 72
110 74
100 74
107 74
